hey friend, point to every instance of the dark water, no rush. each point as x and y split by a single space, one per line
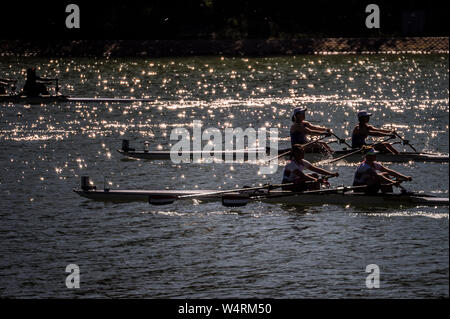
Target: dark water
191 250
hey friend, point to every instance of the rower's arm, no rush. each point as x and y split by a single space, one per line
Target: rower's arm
395 174
7 81
384 178
373 131
45 80
317 128
313 132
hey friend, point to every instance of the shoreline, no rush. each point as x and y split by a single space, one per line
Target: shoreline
248 47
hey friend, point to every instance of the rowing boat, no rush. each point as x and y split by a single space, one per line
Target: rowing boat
63 98
245 155
403 157
33 100
275 197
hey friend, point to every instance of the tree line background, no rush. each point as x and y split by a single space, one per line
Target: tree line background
214 19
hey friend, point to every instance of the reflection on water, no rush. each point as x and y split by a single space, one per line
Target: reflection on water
204 249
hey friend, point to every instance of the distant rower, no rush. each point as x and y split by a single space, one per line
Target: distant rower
367 174
35 85
293 172
363 129
300 129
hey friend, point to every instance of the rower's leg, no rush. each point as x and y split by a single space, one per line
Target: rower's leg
302 177
386 188
42 89
386 148
391 148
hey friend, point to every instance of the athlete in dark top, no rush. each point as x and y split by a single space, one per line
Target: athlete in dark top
363 130
300 129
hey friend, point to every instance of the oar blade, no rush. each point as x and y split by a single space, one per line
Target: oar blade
160 200
235 200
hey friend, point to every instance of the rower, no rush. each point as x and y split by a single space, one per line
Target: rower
367 174
363 129
293 172
301 128
35 85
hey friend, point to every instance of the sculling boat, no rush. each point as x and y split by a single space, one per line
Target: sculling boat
33 100
62 98
403 157
276 197
247 154
333 196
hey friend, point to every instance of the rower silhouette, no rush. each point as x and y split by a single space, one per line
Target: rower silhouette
35 85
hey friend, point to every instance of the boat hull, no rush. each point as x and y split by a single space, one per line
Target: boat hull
247 155
33 100
63 98
244 155
276 197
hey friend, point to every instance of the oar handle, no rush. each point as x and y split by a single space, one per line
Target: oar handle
279 155
290 150
267 186
341 140
360 150
347 155
315 141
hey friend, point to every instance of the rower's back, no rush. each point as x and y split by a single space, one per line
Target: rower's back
298 133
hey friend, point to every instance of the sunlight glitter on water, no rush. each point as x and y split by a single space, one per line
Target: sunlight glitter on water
46 148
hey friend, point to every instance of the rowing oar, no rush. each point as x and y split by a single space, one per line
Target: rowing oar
244 199
405 142
397 183
341 140
169 199
234 200
290 150
360 150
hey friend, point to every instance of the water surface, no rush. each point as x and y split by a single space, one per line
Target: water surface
191 250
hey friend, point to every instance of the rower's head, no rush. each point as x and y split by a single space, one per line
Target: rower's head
371 156
364 116
298 152
299 114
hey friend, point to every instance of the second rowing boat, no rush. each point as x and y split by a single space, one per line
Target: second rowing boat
249 154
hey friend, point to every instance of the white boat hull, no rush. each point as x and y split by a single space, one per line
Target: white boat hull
276 197
63 98
247 155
